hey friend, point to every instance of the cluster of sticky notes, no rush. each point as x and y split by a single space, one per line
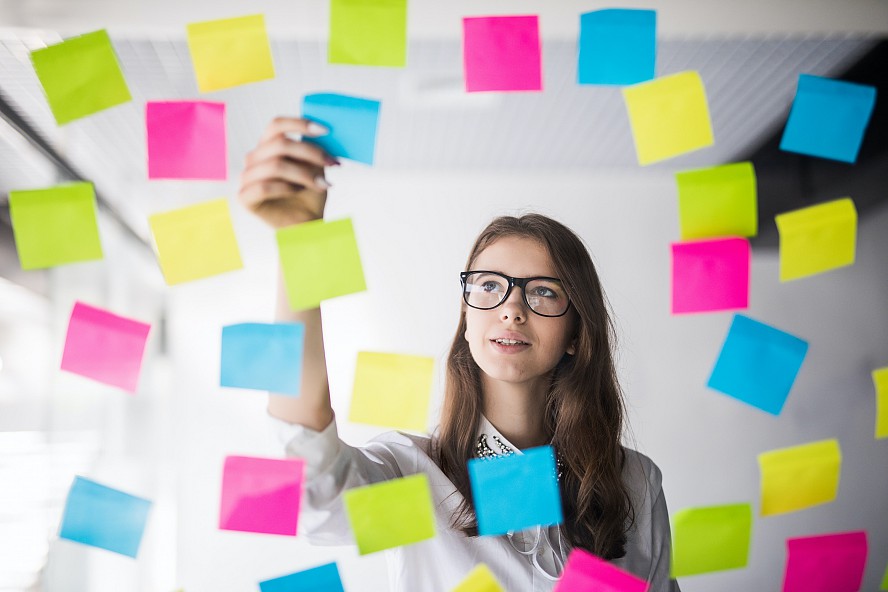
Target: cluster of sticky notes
617 46
230 52
799 477
709 275
323 578
880 382
186 140
480 579
719 201
502 53
817 238
102 517
584 571
826 563
392 390
368 33
712 538
263 356
261 494
352 121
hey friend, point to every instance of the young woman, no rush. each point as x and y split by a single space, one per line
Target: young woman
530 364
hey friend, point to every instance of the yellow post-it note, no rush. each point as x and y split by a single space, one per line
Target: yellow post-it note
799 477
480 579
392 390
880 380
669 116
817 238
718 201
55 226
368 32
195 242
320 260
391 514
230 52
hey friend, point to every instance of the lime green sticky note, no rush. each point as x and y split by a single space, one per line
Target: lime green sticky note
713 538
195 242
718 201
884 585
880 381
368 32
799 477
817 238
320 260
391 514
80 76
669 116
55 226
392 390
480 579
230 52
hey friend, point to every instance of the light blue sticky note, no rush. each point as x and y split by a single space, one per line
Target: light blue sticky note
758 364
515 492
324 578
352 122
828 118
265 357
102 517
617 46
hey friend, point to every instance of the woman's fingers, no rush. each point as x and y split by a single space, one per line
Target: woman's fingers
284 169
293 125
283 146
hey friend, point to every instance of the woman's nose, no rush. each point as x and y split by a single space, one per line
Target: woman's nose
514 307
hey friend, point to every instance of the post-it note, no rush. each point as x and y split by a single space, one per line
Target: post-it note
828 118
103 517
392 390
799 477
263 356
230 52
718 201
617 46
80 76
826 563
713 538
880 382
105 347
758 364
55 226
504 502
320 260
817 238
368 33
186 140
261 494
352 121
710 275
585 571
480 579
502 53
323 578
195 242
884 585
669 116
391 514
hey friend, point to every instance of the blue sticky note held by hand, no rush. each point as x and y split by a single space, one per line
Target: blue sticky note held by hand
265 357
617 46
103 517
515 492
758 364
828 118
352 122
324 578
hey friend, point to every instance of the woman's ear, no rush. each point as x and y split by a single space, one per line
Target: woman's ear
571 348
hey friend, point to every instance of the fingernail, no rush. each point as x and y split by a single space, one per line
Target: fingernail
322 183
316 129
330 161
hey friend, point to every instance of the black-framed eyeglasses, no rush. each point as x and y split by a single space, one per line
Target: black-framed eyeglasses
545 296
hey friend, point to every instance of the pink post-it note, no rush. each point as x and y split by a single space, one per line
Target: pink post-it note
261 494
186 140
710 275
105 347
586 572
826 563
502 53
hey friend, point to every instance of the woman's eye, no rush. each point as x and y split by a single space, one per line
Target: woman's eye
544 292
490 286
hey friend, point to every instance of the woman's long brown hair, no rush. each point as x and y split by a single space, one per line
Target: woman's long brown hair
584 407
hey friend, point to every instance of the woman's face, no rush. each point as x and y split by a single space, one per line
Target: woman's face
544 340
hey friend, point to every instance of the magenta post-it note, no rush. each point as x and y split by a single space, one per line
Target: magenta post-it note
105 347
826 563
261 494
710 275
502 53
186 140
586 572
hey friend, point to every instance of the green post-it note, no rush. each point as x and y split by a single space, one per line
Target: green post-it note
55 226
320 261
713 538
80 76
718 201
368 32
392 390
391 514
880 382
884 585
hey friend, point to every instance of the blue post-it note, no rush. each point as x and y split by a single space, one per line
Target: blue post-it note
265 357
515 492
617 46
352 122
828 118
102 517
758 364
324 578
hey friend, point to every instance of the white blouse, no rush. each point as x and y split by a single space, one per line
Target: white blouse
530 560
